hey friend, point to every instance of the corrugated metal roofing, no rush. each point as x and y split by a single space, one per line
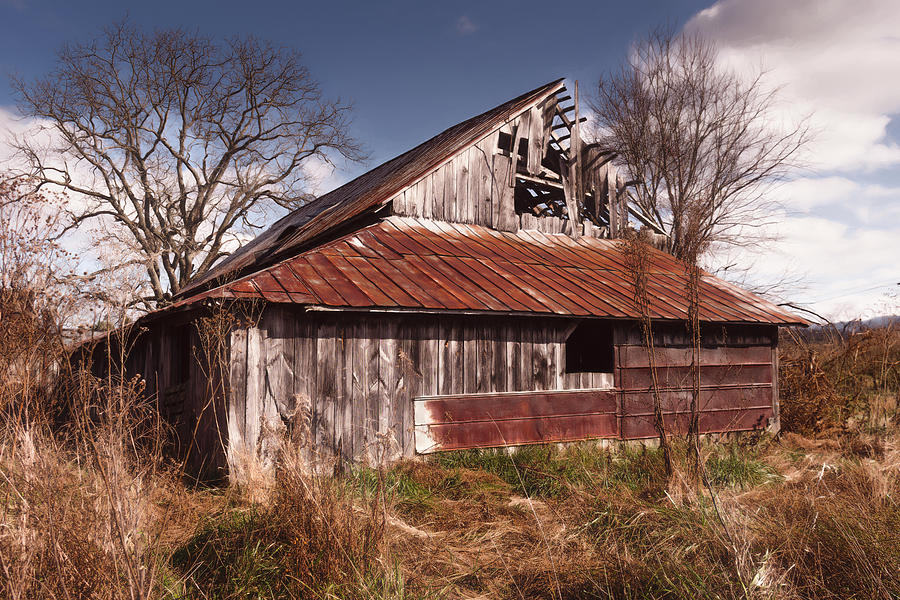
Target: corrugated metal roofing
368 191
406 263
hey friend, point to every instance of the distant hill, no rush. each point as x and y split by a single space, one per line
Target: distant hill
850 327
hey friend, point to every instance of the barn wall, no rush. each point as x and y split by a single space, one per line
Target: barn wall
360 372
738 378
187 393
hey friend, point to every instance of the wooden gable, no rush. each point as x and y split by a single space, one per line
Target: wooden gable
530 172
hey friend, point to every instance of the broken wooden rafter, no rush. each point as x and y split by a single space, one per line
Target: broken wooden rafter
639 214
568 123
577 175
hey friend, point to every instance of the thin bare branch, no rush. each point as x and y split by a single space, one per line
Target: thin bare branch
179 140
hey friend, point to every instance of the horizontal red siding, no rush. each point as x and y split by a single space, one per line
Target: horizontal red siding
505 419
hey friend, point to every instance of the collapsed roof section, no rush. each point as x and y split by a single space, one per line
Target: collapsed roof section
421 265
535 173
368 192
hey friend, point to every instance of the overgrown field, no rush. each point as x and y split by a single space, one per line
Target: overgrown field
92 508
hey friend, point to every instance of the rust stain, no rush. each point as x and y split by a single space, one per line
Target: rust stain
502 419
400 263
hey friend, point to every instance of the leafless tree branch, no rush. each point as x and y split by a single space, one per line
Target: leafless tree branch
700 142
181 139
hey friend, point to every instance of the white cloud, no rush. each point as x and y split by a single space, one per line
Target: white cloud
835 59
466 26
10 125
841 266
322 176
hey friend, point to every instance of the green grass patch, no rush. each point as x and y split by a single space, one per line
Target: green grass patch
737 466
551 471
398 487
230 559
529 471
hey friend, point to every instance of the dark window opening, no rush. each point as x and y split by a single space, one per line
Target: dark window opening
505 142
523 149
173 397
540 201
589 349
181 355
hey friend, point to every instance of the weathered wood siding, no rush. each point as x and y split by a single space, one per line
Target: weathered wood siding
477 185
361 372
738 377
187 390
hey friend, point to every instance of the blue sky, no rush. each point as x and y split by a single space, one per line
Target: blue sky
413 68
410 68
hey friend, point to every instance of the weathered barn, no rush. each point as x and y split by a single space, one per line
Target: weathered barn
468 293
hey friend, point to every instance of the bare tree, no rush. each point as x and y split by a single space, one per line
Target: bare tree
178 141
699 143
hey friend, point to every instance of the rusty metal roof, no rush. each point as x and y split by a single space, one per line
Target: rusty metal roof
420 264
367 192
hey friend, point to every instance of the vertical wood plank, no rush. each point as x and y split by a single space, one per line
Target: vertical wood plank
387 379
370 388
416 382
548 112
427 197
430 366
483 361
512 367
445 358
539 359
776 400
470 358
255 384
276 380
399 386
554 378
535 141
457 357
462 199
344 373
449 212
503 210
357 355
612 202
623 202
305 367
327 433
237 391
437 194
398 203
481 186
522 130
498 354
419 197
526 370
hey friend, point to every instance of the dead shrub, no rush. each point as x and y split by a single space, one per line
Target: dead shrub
840 381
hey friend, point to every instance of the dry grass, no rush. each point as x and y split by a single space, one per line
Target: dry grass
86 514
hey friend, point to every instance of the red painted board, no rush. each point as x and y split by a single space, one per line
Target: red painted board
484 434
515 405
